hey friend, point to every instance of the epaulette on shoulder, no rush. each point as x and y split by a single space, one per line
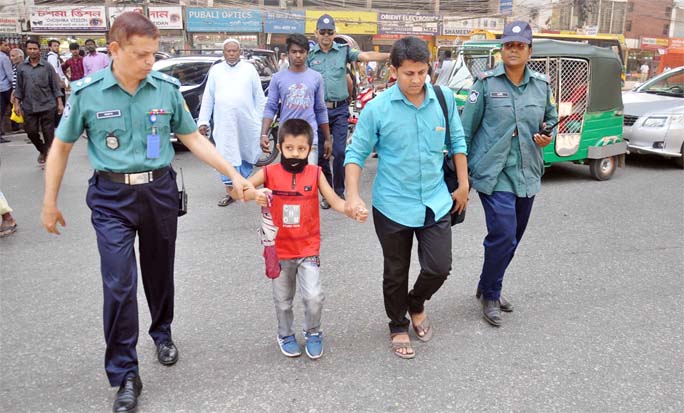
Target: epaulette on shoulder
540 76
485 74
89 80
163 76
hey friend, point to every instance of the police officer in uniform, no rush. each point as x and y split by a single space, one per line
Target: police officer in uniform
502 120
129 111
330 60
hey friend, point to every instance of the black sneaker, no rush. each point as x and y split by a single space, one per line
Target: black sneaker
325 204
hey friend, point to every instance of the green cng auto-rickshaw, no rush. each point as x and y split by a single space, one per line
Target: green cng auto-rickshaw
587 87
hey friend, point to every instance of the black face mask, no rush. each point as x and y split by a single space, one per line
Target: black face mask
293 165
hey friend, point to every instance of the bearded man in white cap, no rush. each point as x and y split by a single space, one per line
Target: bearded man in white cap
233 95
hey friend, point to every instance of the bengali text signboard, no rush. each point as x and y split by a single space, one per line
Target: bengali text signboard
68 19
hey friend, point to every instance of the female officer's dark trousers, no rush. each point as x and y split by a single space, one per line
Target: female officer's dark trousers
119 211
434 254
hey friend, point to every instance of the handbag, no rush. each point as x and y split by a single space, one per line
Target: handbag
16 118
450 177
182 197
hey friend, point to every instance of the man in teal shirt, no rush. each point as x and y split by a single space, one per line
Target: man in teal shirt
407 127
330 60
504 112
129 113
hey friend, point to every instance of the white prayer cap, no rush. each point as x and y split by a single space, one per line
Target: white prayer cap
231 40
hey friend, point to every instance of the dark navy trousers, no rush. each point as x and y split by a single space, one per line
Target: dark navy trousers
507 216
338 120
119 212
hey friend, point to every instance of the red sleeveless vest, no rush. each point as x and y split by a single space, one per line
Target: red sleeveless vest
295 210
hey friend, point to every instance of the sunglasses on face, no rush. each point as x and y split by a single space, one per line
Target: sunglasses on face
328 32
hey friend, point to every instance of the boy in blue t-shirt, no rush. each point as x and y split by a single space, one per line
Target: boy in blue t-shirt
298 93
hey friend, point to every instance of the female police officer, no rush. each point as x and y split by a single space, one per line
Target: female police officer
129 112
504 111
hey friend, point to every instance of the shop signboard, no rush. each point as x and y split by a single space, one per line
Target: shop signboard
506 7
166 17
202 19
414 24
68 19
461 26
284 21
115 11
677 43
346 22
654 43
9 24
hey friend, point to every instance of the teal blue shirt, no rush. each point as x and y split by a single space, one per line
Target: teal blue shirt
409 141
333 67
499 121
101 107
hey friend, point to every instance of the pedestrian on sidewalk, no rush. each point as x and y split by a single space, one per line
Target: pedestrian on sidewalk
330 60
406 125
39 99
128 107
293 186
74 65
5 84
93 61
298 92
17 57
235 100
505 155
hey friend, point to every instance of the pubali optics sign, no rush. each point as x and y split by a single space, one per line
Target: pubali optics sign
68 18
223 20
408 24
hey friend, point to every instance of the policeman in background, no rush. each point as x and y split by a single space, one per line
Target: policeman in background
129 112
502 119
330 60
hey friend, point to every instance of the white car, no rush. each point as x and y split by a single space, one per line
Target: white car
654 116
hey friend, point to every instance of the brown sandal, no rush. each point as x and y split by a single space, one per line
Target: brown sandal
425 328
397 345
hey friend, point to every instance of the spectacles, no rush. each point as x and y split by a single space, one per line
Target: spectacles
328 32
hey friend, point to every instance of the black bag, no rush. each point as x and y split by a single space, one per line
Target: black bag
182 197
450 176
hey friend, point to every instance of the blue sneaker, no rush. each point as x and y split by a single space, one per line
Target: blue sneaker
289 346
314 345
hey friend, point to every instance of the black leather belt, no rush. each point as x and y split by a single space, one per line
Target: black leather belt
137 178
333 105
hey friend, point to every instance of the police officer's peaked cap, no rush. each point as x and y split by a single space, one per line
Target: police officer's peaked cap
517 31
325 22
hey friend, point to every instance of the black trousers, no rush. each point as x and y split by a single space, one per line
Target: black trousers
4 104
434 254
43 122
119 213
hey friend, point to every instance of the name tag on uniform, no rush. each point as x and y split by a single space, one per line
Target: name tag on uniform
153 146
498 94
108 114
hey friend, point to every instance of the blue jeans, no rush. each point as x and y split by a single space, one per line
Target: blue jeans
306 273
245 169
338 120
507 216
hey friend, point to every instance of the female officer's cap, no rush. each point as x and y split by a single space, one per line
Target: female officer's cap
517 31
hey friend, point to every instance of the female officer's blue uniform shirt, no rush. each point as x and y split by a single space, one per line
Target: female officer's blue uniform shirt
101 107
499 121
409 143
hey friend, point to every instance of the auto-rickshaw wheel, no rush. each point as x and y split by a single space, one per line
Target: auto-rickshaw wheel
603 169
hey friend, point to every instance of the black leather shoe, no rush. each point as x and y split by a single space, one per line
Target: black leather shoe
492 312
167 353
127 396
504 304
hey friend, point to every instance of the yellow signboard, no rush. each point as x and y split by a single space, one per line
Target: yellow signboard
346 22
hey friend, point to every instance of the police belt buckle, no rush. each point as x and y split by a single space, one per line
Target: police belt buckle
139 178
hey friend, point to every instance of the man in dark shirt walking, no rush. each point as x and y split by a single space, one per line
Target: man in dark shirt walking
38 98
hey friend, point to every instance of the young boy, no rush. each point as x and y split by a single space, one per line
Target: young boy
293 187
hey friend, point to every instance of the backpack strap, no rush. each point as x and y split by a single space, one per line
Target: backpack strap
442 103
